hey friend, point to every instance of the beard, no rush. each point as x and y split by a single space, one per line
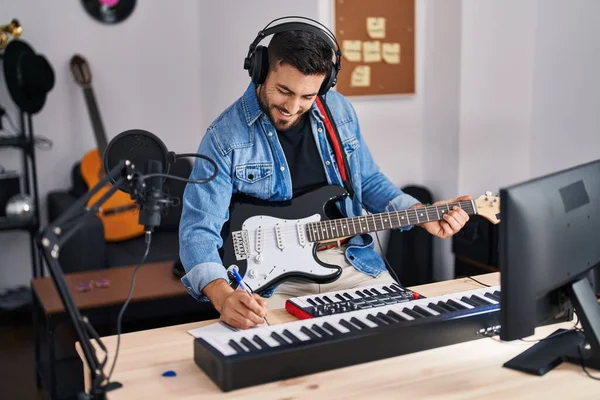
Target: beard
272 112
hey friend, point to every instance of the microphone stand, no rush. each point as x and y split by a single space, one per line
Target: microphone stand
50 241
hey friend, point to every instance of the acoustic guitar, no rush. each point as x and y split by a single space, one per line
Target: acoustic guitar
119 214
271 242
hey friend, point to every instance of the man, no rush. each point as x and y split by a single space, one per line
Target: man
271 144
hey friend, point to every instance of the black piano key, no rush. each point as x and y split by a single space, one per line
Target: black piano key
339 296
396 316
481 300
291 336
368 293
446 306
309 333
249 344
328 299
358 292
320 331
237 347
376 320
277 337
318 300
376 291
422 311
385 318
456 305
358 323
493 297
497 293
331 329
311 301
261 343
348 325
467 300
437 308
347 295
387 289
412 313
396 287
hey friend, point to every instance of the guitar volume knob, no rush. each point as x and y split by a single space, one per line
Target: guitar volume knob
258 258
252 273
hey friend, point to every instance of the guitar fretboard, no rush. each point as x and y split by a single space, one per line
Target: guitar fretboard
343 227
94 112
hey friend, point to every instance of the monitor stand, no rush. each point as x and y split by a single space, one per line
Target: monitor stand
566 345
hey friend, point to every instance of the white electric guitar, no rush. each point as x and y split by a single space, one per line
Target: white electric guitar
274 241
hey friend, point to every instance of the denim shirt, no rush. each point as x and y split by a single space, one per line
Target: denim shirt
243 142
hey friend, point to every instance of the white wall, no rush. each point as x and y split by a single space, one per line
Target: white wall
565 116
145 75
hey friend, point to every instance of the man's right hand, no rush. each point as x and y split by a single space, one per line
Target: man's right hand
235 306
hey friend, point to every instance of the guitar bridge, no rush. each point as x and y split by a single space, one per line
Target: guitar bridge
241 245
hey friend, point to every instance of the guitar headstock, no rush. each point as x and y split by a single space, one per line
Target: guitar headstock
488 206
81 71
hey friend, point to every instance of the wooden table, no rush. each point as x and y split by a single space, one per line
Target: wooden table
467 370
157 293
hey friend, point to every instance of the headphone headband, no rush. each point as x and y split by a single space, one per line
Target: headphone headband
256 61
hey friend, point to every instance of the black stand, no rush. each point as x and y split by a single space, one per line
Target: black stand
51 240
567 345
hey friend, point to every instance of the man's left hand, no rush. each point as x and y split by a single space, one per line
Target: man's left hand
453 221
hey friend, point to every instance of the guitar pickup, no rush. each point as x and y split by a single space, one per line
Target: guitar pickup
241 245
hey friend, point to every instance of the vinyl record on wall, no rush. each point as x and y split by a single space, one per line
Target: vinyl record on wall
109 11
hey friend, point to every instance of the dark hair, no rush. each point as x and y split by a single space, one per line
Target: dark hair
303 50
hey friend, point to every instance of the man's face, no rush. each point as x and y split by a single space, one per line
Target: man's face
286 94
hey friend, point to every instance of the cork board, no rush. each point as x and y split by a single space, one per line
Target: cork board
377 40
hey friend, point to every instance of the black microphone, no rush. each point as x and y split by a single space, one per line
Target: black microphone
151 162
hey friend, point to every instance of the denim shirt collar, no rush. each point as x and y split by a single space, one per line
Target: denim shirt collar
253 110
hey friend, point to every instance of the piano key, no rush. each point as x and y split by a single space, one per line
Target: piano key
320 331
328 299
446 306
257 339
376 291
348 325
386 318
360 294
311 301
468 300
422 311
412 313
387 289
237 347
481 300
397 316
278 337
249 344
318 300
349 296
396 287
331 329
290 336
492 297
457 305
309 333
497 293
376 320
339 296
359 323
437 308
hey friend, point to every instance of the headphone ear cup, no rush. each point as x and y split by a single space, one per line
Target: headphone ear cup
329 81
259 65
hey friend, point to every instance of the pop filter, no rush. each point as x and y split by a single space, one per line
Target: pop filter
138 146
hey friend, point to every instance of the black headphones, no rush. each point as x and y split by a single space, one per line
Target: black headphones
257 60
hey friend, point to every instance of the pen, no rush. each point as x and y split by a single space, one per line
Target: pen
242 285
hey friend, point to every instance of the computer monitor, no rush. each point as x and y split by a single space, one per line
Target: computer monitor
549 241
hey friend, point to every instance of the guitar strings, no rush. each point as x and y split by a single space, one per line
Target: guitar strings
331 226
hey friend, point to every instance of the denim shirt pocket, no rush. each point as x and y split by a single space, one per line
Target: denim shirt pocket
350 145
254 179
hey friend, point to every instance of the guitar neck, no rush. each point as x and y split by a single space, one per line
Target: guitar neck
94 112
339 228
